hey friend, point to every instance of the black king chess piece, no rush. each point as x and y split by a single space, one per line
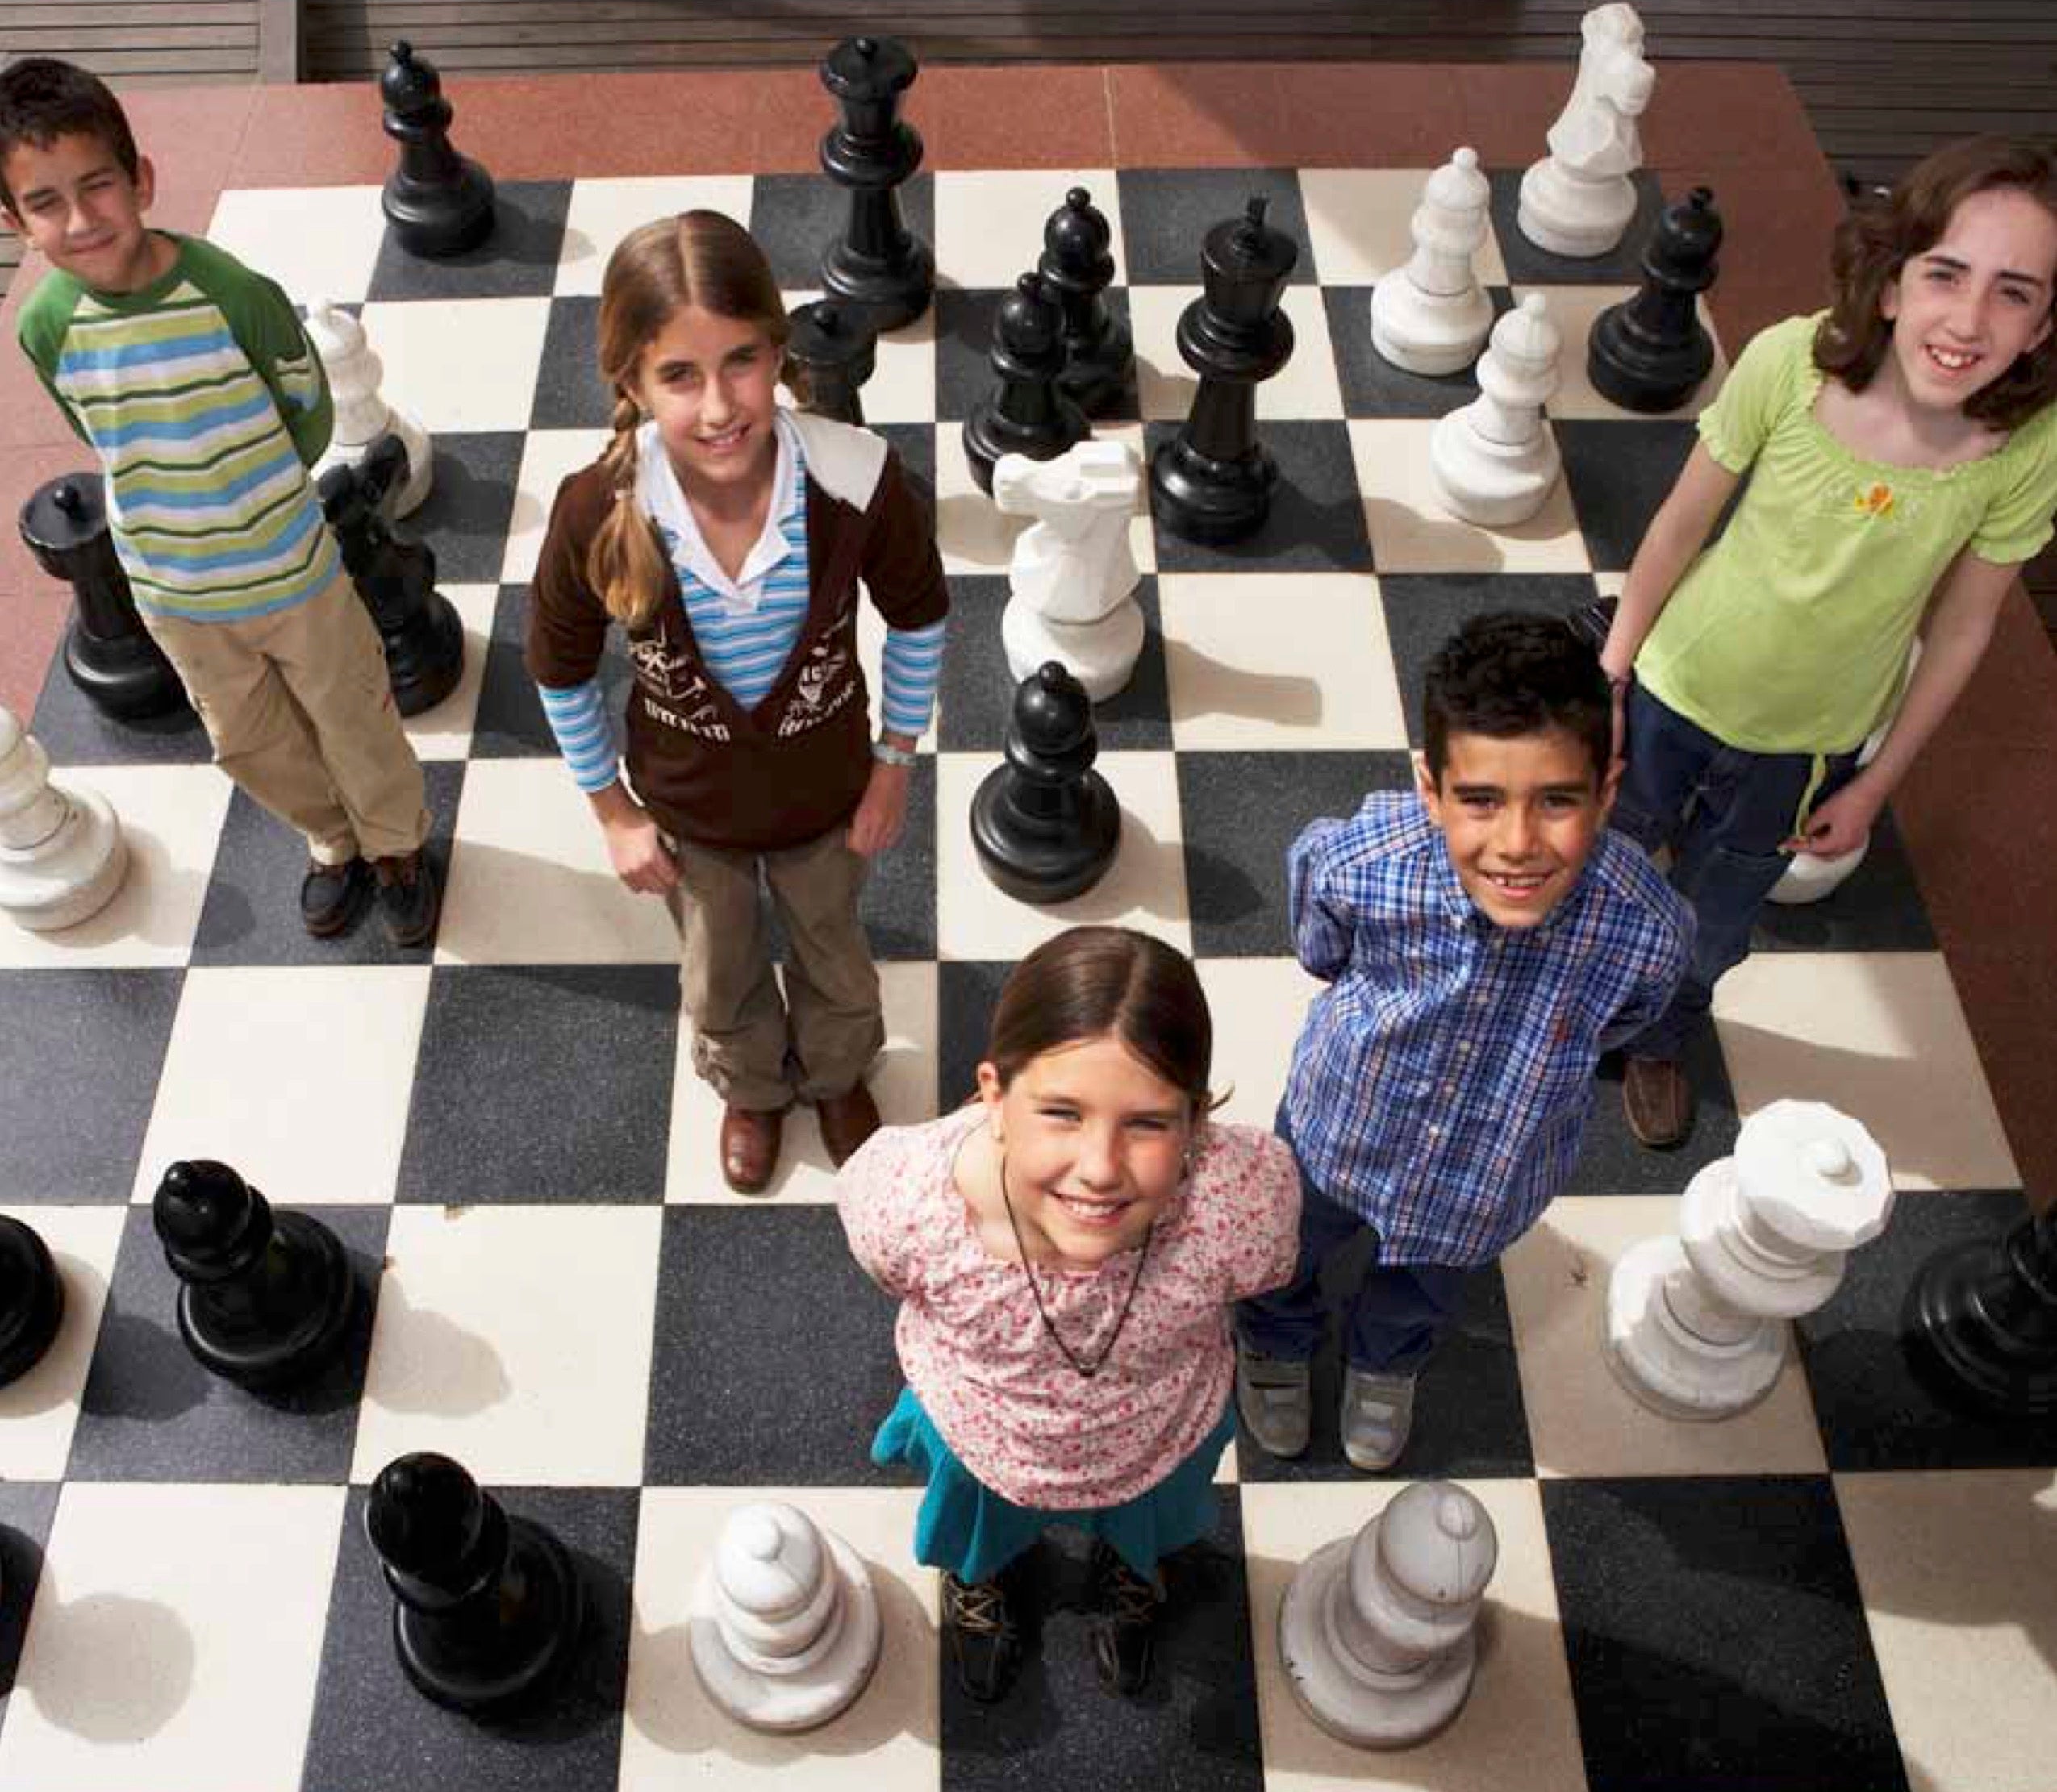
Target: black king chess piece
1986 1312
489 1608
1078 266
832 348
1649 352
877 261
31 1299
108 653
1213 481
1045 823
439 203
265 1296
1024 413
423 635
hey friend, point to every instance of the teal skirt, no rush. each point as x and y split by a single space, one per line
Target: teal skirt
968 1530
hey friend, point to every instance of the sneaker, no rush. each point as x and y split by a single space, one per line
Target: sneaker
1274 1396
1657 1097
984 1645
1123 1633
1378 1413
331 896
409 899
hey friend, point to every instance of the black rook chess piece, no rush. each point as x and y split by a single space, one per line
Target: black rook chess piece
832 348
108 653
1649 352
265 1296
1078 266
877 261
439 203
31 1299
423 635
1987 1312
489 1606
1025 413
1045 823
1213 481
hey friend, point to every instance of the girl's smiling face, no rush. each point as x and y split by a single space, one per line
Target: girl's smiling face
711 383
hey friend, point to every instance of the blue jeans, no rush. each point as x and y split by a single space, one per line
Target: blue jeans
1723 812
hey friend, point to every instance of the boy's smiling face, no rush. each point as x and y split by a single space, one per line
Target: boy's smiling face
72 199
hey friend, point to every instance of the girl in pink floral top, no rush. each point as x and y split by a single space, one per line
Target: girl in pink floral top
1065 1251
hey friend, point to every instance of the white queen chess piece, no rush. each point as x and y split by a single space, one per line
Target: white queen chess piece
362 415
1073 577
1494 461
61 851
1579 199
1431 316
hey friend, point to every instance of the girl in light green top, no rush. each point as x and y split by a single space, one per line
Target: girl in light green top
1901 452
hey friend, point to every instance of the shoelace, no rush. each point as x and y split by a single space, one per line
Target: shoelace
977 1607
1134 1599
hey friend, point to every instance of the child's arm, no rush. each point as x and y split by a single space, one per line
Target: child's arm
1322 926
1262 1179
870 1196
270 330
1676 535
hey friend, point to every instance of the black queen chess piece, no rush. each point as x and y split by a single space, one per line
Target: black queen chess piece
1024 412
1078 266
878 262
1986 1313
440 203
1650 352
31 1299
1045 824
832 348
1213 481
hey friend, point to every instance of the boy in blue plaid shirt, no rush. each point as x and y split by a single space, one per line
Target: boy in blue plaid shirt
1484 939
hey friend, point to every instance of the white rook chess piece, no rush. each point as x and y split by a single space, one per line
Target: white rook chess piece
61 851
362 415
1376 1632
784 1621
1494 460
1073 577
1430 316
1697 1323
1579 199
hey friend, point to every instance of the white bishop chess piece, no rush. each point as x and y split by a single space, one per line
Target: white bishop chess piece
1431 316
61 851
1073 577
1697 1323
1378 1632
1494 461
1580 198
362 414
784 1621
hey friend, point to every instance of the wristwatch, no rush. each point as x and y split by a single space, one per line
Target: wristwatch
888 754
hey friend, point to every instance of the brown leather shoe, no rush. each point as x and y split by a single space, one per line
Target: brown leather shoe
847 1120
1656 1097
750 1147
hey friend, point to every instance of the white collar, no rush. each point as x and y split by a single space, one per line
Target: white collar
662 499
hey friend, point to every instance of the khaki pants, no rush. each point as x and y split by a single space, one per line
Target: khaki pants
830 1022
302 716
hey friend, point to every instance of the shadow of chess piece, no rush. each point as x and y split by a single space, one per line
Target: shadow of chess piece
264 1297
489 1607
1024 413
31 1299
439 203
1650 352
1078 266
423 635
1045 824
834 348
1986 1314
877 262
108 653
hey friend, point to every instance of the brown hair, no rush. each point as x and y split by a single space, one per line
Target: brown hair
1878 238
42 99
698 258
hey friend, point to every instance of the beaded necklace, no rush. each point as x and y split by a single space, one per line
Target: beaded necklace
1084 1371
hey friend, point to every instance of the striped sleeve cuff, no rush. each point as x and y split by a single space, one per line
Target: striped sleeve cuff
584 734
913 663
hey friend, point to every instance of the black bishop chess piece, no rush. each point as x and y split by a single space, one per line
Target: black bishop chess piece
1025 413
1045 823
1986 1313
265 1296
877 262
1213 481
439 203
423 635
832 348
31 1299
489 1606
108 653
1650 352
1078 266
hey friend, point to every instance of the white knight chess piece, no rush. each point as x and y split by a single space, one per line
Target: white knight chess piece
1579 199
61 851
362 415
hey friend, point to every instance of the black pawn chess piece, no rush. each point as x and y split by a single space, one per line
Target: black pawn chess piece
1024 413
832 348
1986 1312
1045 823
1213 481
31 1299
108 653
877 261
265 1296
423 635
439 203
1078 266
489 1606
1650 352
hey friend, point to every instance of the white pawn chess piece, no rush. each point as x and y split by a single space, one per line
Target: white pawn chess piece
1377 1631
362 414
1580 198
61 851
784 1620
1431 316
1073 577
1697 1323
1494 461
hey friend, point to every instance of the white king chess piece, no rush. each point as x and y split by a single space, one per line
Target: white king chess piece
362 415
1495 460
1073 577
1431 316
61 851
1697 1323
1579 199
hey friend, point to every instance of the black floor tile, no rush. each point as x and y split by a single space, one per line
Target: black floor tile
1528 266
1372 386
470 507
518 259
569 392
1167 213
1619 473
797 218
1316 523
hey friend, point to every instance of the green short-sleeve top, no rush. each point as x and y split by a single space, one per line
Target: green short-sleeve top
1791 632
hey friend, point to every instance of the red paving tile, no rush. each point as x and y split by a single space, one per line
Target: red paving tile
1283 114
1039 117
33 604
1774 252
